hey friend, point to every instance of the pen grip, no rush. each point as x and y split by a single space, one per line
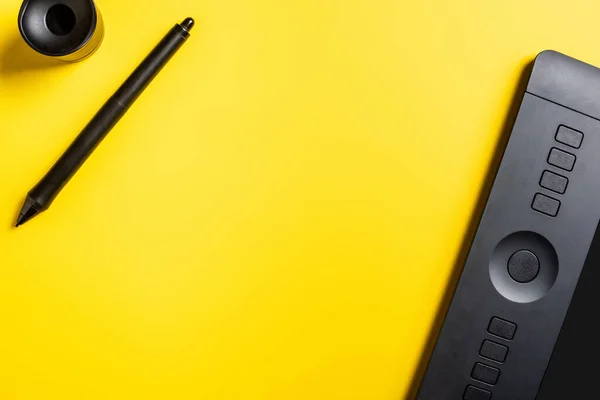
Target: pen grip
78 152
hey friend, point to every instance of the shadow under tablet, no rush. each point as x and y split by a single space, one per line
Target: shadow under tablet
550 358
472 228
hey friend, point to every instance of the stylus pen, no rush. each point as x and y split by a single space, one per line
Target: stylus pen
41 196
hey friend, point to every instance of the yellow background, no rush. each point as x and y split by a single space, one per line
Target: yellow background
279 214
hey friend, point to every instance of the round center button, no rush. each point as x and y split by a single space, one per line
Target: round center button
523 266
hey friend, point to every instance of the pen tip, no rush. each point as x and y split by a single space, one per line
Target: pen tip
20 221
188 24
28 211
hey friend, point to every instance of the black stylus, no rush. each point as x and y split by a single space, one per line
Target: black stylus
42 195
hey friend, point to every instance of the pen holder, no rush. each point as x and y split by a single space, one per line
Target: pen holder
69 30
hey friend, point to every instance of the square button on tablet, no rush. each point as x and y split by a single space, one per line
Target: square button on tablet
475 393
502 328
561 159
485 373
568 136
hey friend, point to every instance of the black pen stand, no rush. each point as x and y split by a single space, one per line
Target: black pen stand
69 30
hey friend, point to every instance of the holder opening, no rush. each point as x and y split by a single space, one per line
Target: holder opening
60 19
